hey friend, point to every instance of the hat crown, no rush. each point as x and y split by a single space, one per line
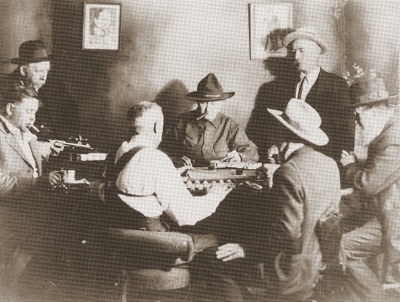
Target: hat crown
370 91
302 116
31 51
210 86
209 90
307 33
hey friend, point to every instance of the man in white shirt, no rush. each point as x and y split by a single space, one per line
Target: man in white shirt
150 184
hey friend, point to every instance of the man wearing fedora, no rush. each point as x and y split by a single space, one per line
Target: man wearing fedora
325 92
206 134
378 177
306 191
59 114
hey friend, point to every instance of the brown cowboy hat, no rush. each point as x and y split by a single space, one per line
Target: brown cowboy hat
32 51
370 93
303 120
209 90
307 34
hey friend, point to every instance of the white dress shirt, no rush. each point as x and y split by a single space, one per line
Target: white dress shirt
152 185
309 81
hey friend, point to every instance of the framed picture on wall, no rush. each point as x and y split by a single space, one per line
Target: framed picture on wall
101 26
269 24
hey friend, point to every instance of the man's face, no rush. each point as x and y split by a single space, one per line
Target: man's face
36 73
306 54
212 109
103 21
22 115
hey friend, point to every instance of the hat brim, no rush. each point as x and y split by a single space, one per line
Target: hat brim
317 137
389 98
31 60
196 96
303 35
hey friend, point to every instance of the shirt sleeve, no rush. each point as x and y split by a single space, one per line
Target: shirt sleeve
243 145
177 201
378 172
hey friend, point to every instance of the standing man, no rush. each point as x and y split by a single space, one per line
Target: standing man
306 191
379 178
206 134
59 116
325 92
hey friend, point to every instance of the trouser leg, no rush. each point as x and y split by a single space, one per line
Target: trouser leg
357 248
213 279
391 243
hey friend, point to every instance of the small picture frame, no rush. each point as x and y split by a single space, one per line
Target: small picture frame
101 26
269 24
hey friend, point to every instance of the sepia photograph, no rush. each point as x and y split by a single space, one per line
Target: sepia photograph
101 26
269 24
193 151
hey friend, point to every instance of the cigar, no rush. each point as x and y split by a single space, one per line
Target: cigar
35 128
201 116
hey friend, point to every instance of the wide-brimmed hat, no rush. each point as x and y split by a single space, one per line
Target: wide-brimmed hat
209 90
303 120
308 34
371 92
32 51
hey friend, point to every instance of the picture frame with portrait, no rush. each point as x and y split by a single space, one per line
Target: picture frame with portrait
269 24
101 26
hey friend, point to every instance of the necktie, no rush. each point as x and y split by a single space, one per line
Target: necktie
301 88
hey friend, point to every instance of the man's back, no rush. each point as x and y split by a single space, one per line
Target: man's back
306 188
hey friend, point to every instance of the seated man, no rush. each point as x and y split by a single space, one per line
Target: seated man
306 190
149 185
378 177
205 134
21 158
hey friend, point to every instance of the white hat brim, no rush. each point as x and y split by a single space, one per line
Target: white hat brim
316 137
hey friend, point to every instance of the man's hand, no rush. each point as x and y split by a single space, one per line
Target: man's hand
347 158
230 251
232 157
184 169
55 148
55 178
185 161
272 151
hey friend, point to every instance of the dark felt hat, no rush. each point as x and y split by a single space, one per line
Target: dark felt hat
209 90
32 51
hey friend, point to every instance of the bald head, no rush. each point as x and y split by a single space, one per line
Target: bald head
146 118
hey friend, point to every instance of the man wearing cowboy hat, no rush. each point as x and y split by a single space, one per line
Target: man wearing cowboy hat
306 191
325 92
378 177
206 134
58 118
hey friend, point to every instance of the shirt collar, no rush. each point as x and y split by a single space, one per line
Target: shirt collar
311 76
26 136
216 121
